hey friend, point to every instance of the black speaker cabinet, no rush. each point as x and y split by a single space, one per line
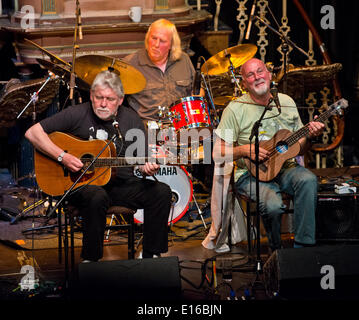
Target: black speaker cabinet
323 272
337 218
139 279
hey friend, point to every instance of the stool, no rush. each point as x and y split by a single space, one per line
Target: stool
130 226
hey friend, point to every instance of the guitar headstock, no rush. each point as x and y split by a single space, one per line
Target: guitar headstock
338 106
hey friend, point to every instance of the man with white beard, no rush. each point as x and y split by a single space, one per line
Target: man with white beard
234 131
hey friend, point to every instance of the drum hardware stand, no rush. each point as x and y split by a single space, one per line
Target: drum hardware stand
286 42
173 201
211 103
78 29
33 99
198 207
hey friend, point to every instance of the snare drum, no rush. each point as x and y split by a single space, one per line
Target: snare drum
182 191
190 112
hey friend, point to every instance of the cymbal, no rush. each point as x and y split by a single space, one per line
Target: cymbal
311 76
53 58
16 96
306 78
223 100
87 67
238 55
63 72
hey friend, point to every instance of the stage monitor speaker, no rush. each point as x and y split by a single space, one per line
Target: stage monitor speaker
323 272
337 218
139 279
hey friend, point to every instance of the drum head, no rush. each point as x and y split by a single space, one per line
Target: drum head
182 190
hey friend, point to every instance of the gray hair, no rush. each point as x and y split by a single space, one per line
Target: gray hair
111 80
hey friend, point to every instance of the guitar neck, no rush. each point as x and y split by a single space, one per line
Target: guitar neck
304 131
127 161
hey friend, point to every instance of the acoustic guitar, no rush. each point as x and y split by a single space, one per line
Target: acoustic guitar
54 179
285 145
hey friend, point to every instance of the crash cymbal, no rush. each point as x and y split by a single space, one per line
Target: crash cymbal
16 96
219 63
63 72
87 67
53 58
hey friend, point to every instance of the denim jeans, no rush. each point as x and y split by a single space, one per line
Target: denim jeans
302 185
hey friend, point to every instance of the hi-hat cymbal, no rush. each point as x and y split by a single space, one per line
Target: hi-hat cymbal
87 67
219 63
63 72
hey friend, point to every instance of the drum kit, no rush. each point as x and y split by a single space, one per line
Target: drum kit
185 114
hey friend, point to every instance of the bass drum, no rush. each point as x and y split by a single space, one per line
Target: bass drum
178 180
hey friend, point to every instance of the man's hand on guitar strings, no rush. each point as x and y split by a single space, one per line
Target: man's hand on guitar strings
249 152
315 128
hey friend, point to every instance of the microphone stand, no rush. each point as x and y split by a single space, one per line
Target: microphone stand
255 133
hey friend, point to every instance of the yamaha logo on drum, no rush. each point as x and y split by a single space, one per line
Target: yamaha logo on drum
167 171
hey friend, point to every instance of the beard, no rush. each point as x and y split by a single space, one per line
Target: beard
263 89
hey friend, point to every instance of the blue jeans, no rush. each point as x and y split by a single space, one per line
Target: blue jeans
302 185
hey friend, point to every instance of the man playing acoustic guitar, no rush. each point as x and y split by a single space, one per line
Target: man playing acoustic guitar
234 131
100 119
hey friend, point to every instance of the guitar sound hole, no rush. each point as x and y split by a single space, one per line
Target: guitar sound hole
86 159
282 147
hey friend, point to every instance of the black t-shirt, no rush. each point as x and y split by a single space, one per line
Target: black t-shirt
81 121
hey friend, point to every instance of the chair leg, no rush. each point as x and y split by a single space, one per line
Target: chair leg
131 238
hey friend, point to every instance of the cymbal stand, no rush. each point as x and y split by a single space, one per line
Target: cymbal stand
211 102
198 207
34 98
231 70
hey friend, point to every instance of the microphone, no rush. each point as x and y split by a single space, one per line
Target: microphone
197 78
250 20
116 126
274 93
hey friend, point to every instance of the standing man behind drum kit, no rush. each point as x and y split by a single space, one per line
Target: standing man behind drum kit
168 70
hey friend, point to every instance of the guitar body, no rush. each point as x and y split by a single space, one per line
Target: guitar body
281 152
54 179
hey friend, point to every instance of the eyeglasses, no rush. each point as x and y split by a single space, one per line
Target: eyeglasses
259 72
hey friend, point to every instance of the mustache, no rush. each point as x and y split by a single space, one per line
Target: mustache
259 81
